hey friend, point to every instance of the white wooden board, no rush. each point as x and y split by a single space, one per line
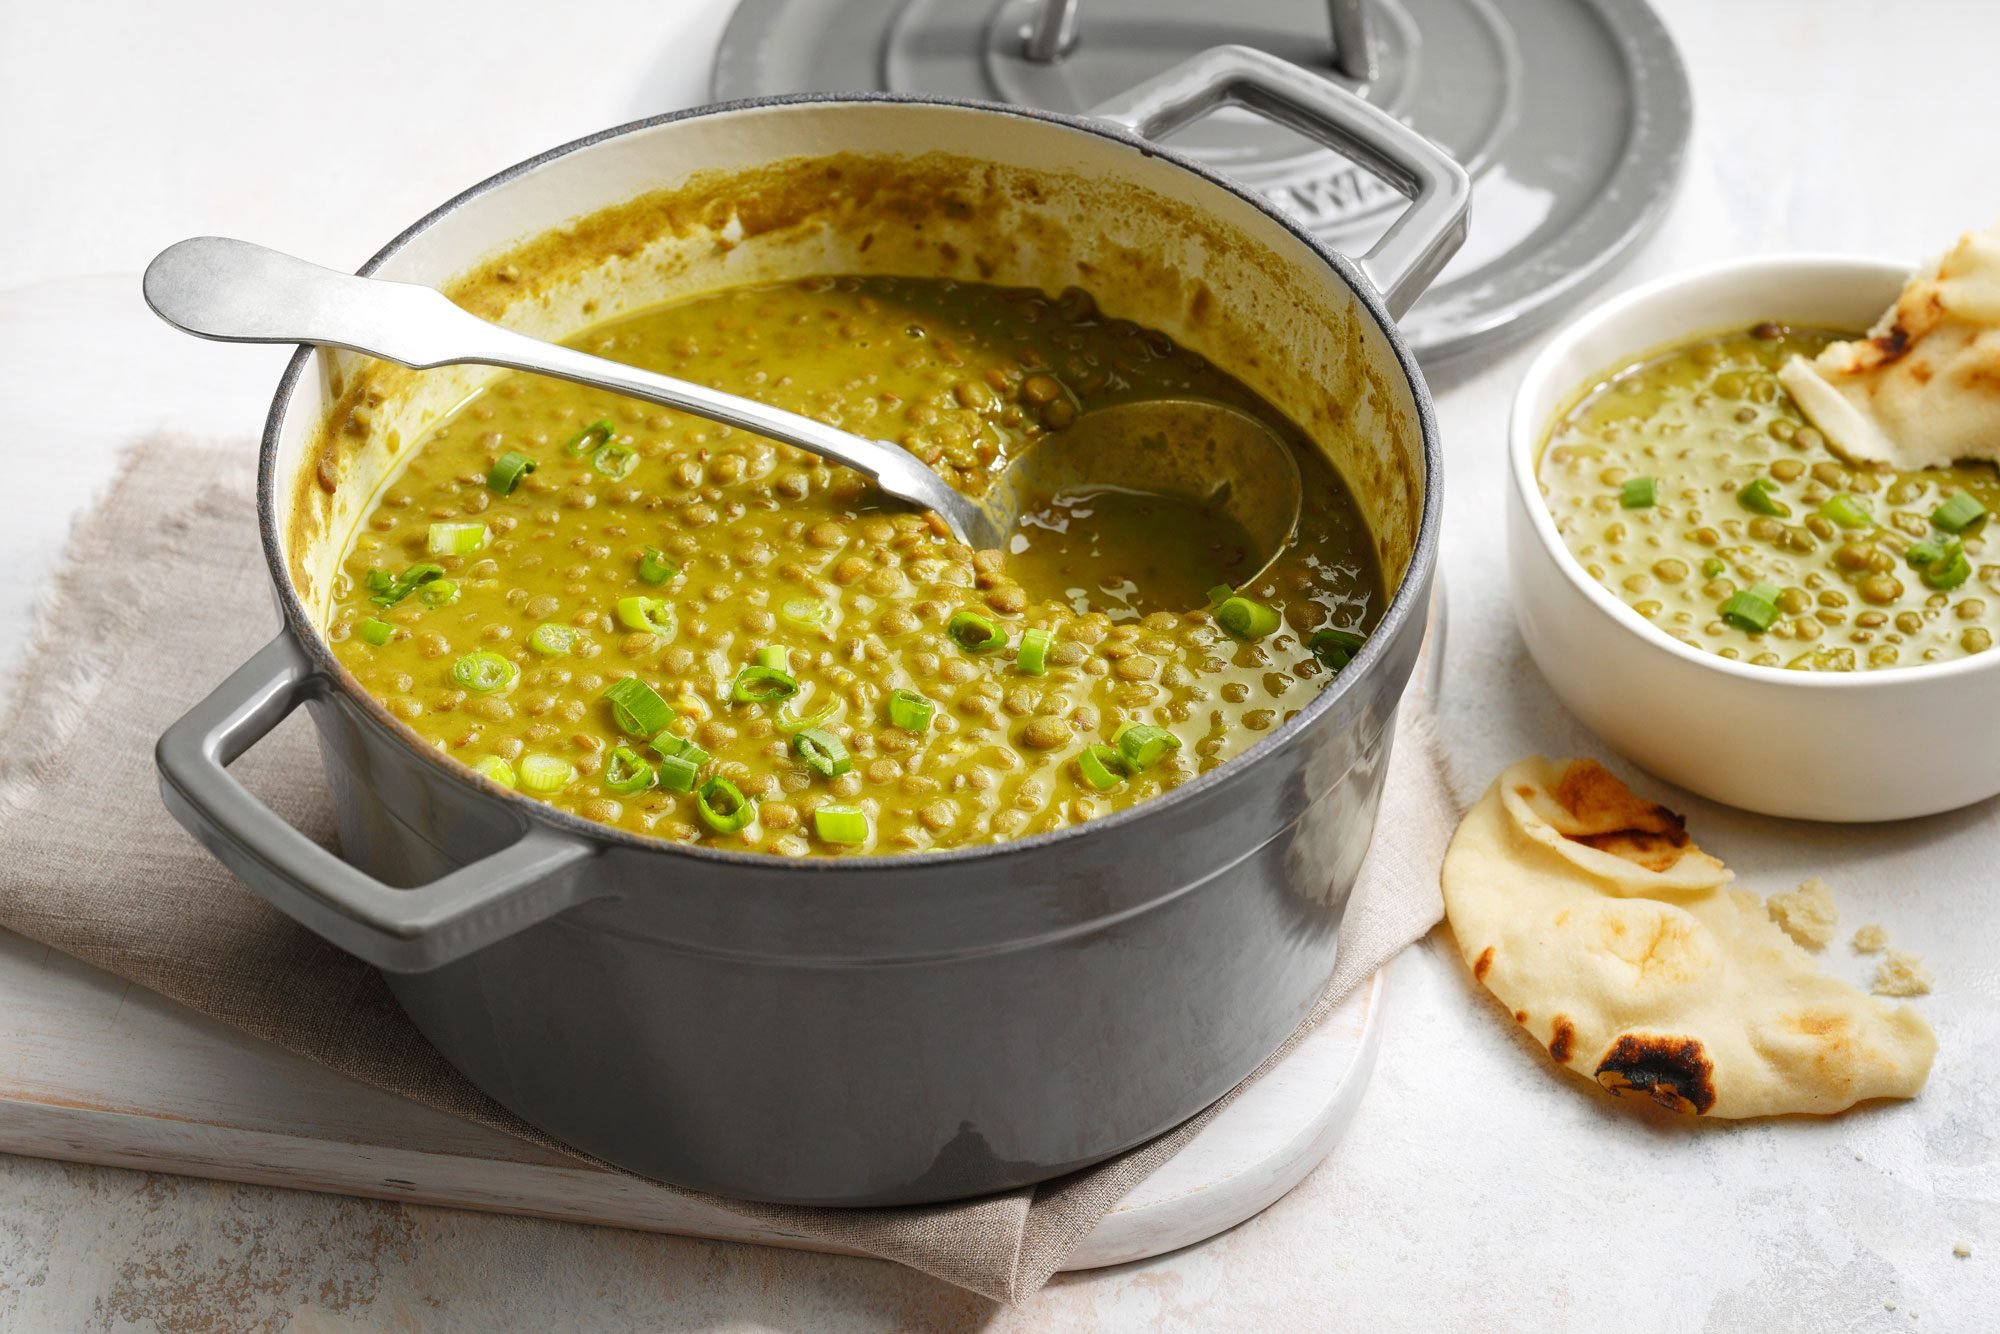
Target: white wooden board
93 1069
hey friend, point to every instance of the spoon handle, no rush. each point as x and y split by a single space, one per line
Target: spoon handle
234 291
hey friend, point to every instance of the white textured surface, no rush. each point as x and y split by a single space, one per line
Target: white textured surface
1475 1190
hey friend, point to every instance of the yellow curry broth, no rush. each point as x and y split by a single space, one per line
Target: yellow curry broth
961 374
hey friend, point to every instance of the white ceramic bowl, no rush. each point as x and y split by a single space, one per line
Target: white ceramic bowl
1868 745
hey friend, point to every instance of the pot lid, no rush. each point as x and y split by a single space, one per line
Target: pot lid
1570 115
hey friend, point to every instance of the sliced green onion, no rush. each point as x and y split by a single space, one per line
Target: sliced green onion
841 824
1713 567
1246 619
389 589
494 768
638 708
625 773
1950 569
678 773
457 539
824 753
1958 513
438 592
1760 497
679 748
1637 493
789 719
1143 745
377 632
546 773
507 472
651 615
775 656
1335 648
1927 552
552 640
484 672
910 711
1101 766
807 614
1220 594
759 684
1032 658
973 632
1847 511
1754 608
722 806
655 568
589 439
615 462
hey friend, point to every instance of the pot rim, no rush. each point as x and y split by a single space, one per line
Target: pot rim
1415 581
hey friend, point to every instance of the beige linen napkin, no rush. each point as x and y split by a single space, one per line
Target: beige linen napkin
162 594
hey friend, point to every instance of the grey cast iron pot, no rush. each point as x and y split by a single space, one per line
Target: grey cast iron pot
882 1029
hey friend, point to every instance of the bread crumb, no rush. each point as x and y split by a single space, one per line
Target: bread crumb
1962 1251
1902 974
1807 913
1869 939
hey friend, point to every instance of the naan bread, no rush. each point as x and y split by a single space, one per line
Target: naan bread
1922 390
1621 947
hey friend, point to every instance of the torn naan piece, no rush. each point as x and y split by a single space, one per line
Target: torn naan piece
1922 390
1621 947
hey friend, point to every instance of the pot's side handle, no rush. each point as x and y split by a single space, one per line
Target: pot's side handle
401 930
1420 241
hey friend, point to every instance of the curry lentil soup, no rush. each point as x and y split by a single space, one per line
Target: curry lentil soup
691 632
1690 485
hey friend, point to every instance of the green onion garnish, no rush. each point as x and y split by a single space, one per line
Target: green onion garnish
1246 619
457 539
1220 594
1637 493
807 614
1032 658
1958 513
625 773
824 753
678 773
1143 745
1950 569
650 615
484 672
655 568
552 640
759 684
1101 766
841 824
775 656
789 719
438 592
1335 648
637 707
546 773
974 633
507 472
589 438
1847 511
615 462
389 589
910 711
1760 497
679 748
377 632
1713 567
495 768
1927 552
722 806
1754 608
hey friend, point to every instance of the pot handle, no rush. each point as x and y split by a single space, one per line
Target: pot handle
1417 245
400 930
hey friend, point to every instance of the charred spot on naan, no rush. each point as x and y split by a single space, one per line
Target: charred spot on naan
1562 1043
1482 963
1612 818
1674 1072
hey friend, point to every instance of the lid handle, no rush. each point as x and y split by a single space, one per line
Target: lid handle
1052 34
1417 245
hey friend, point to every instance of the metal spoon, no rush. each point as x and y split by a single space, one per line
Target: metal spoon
238 292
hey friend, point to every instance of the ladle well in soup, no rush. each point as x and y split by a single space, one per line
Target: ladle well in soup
812 670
